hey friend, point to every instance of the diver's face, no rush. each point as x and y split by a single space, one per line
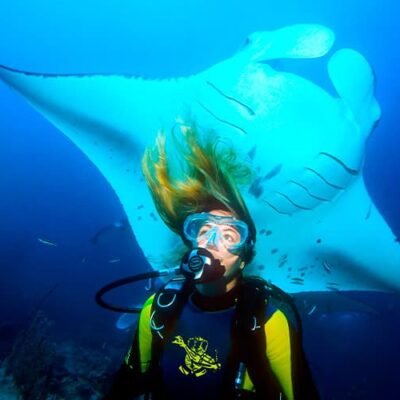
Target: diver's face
232 262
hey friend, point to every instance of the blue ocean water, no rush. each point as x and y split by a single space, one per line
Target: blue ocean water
50 190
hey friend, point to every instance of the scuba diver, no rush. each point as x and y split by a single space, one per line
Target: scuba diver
211 333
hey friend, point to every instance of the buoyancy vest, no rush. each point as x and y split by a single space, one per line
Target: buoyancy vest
247 357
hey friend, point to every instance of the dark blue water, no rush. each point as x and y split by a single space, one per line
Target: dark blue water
50 190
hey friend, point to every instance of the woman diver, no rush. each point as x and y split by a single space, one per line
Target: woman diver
215 334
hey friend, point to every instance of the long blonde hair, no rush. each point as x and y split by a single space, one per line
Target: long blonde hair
205 176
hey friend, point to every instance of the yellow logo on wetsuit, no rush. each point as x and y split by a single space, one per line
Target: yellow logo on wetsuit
197 362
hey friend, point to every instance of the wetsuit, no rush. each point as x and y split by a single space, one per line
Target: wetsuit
196 358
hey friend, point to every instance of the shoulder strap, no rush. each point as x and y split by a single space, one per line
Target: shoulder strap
251 304
256 293
166 309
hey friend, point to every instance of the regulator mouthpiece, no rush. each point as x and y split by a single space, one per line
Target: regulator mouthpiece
200 265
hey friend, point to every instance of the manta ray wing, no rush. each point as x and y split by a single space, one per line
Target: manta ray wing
317 226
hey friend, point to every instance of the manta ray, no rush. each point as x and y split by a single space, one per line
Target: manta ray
317 227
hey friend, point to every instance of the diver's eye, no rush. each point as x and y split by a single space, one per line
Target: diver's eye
229 238
204 230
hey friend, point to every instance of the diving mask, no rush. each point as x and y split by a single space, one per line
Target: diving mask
203 229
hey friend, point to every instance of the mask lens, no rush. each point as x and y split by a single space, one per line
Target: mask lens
218 230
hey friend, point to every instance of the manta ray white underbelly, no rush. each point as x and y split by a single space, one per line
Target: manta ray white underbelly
318 228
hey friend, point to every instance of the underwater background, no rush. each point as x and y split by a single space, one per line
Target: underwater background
63 232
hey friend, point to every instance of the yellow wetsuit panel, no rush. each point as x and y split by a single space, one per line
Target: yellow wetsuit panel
144 335
279 351
247 382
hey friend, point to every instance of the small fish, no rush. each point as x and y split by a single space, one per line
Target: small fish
333 288
83 260
252 152
297 282
153 216
256 188
326 266
302 269
282 263
298 279
368 212
114 260
274 251
312 310
140 206
275 171
47 242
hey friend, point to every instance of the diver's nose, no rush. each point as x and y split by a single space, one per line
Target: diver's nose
213 239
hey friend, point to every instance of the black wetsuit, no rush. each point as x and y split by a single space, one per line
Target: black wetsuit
195 358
